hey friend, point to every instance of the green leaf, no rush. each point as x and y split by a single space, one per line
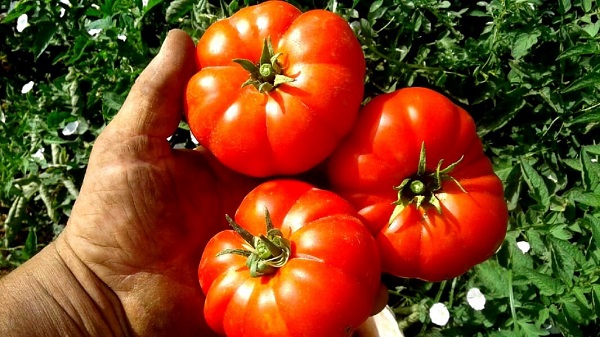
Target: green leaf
512 189
577 307
593 149
537 188
592 28
494 277
562 263
590 172
532 330
43 37
45 196
104 24
561 232
524 42
548 285
569 249
113 100
573 163
535 240
12 222
178 9
151 4
504 333
30 248
593 224
573 311
588 199
567 327
579 50
588 80
589 116
564 5
78 49
596 298
55 118
19 9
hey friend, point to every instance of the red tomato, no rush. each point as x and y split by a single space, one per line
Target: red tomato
310 101
322 282
428 225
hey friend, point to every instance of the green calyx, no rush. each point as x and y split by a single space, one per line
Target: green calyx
267 74
421 188
265 253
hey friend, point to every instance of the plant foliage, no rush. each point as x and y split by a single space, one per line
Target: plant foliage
528 71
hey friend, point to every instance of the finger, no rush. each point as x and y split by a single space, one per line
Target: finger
155 103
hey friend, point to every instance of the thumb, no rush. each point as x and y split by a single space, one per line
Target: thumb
155 103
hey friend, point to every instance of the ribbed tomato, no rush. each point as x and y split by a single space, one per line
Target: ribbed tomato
277 88
299 263
414 166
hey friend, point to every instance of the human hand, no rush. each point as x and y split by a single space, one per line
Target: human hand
145 211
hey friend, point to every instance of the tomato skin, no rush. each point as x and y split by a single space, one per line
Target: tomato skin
327 287
295 126
384 149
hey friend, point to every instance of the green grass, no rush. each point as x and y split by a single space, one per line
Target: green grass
527 71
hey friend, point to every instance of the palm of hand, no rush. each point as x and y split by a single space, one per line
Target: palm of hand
145 211
142 223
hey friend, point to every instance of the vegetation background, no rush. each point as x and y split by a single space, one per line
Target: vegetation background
527 70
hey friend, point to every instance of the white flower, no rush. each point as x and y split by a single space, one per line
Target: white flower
439 314
62 9
476 299
39 154
95 6
94 31
552 329
194 140
2 117
70 128
144 3
27 87
122 37
22 22
524 246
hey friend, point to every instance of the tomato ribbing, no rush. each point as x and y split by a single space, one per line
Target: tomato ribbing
276 90
432 220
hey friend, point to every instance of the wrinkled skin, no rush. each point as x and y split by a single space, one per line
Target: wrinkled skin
327 288
384 149
126 263
146 211
295 126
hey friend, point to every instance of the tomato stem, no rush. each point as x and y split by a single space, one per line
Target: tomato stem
267 74
417 187
265 253
421 189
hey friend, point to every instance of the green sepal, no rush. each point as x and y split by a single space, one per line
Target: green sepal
265 253
268 73
421 189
